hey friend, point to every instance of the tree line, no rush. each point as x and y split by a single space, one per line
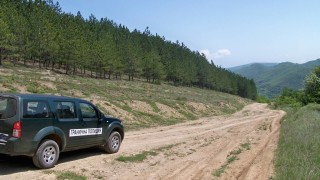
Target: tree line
39 33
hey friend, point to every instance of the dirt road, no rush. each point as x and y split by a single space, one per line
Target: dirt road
238 146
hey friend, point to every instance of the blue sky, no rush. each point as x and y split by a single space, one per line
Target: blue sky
230 32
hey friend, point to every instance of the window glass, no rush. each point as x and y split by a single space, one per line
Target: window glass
36 109
65 110
8 107
88 112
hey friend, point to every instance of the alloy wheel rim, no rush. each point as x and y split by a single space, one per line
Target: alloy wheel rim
49 154
115 142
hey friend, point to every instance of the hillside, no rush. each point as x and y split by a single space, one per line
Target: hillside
105 49
138 103
270 80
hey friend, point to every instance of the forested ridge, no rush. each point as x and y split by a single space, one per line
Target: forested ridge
37 32
271 80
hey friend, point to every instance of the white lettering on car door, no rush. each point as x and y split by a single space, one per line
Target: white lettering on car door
85 132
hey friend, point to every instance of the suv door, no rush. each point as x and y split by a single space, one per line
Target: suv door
90 117
69 122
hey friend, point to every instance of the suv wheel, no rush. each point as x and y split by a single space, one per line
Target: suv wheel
47 155
113 143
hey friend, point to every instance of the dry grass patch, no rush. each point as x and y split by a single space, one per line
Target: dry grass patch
3 89
49 85
48 78
168 111
140 106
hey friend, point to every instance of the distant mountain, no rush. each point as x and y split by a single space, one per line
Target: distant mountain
233 69
271 78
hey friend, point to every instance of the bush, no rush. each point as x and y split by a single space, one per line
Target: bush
312 86
263 99
294 99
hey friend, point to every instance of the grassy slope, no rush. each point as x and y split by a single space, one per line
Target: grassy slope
298 149
138 103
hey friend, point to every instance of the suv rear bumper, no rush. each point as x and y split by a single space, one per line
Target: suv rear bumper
14 147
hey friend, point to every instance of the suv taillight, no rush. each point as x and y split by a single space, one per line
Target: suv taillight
17 129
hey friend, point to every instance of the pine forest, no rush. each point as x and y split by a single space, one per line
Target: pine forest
37 33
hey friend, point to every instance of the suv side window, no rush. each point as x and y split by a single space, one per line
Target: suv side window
66 111
88 112
36 109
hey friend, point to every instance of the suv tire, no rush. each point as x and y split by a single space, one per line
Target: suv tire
47 155
113 143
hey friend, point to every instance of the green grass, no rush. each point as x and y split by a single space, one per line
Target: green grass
187 115
144 155
137 157
246 146
236 151
165 148
181 98
232 156
34 87
154 106
220 171
134 158
70 176
298 154
62 175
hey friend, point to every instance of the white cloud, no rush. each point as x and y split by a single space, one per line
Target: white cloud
221 53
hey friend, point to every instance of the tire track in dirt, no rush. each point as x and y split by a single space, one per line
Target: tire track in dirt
191 150
264 157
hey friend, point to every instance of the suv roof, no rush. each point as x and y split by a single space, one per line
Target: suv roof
44 96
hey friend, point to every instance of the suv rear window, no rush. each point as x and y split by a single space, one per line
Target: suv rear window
8 107
36 109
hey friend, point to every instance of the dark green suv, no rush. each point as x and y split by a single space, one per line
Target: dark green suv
42 126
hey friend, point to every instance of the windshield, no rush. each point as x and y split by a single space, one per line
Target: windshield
8 107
